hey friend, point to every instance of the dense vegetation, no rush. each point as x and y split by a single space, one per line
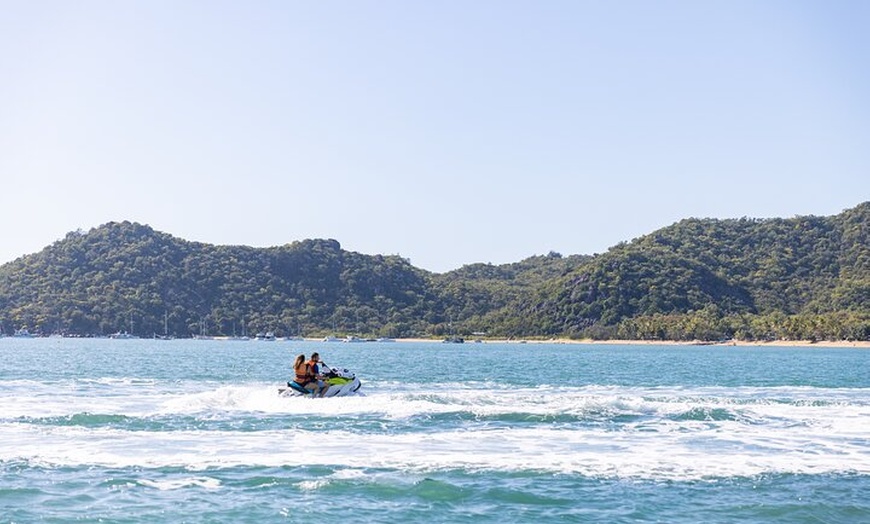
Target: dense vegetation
799 278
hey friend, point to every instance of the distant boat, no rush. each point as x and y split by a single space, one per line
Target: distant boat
265 336
22 333
332 339
453 340
122 335
385 339
351 338
244 335
165 335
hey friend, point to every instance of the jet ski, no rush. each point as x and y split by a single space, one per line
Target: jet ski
341 382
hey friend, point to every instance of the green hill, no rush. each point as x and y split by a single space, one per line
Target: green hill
122 273
804 277
714 278
128 277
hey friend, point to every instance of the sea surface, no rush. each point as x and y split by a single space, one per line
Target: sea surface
194 431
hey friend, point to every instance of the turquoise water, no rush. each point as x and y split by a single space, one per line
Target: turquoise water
193 431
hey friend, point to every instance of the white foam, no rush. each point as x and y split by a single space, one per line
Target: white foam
313 485
661 451
593 431
173 484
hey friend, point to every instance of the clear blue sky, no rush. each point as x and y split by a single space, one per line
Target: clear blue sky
448 132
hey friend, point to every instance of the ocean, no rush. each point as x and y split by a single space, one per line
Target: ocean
137 431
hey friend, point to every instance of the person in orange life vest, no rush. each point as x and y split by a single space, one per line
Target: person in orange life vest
304 375
314 370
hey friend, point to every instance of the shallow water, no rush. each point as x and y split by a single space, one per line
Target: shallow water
193 431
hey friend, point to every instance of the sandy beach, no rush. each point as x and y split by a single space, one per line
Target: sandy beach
862 344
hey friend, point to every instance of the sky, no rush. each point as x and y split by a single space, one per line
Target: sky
447 132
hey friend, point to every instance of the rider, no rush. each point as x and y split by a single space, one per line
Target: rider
314 373
304 376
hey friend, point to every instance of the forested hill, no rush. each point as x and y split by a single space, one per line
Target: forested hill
128 277
803 277
800 278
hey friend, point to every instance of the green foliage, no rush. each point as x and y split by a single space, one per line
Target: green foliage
699 279
683 281
123 273
481 297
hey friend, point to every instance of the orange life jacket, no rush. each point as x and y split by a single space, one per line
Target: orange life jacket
306 377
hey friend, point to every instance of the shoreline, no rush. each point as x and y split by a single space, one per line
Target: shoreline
858 344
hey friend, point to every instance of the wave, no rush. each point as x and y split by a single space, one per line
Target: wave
173 484
595 431
662 452
436 403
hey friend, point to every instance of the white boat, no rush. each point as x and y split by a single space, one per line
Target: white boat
265 336
122 335
22 333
